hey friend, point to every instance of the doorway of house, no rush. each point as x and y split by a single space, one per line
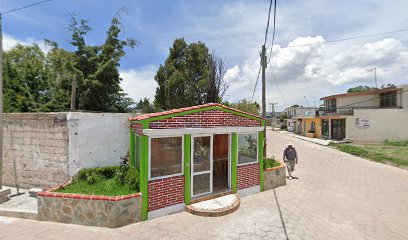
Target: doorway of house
221 162
210 164
338 129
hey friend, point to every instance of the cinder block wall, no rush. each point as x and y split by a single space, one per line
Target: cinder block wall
38 143
50 148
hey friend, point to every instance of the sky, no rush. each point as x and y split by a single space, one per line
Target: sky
235 31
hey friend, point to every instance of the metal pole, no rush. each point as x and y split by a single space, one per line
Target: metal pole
264 63
375 77
1 104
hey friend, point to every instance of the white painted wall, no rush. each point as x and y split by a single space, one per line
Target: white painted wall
384 124
370 100
97 139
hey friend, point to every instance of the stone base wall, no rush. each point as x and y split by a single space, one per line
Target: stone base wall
89 210
274 177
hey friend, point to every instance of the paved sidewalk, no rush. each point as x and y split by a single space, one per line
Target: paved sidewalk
313 140
337 196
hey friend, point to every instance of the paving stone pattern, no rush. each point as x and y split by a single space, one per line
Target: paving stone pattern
337 196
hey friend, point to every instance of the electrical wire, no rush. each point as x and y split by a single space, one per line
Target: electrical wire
266 38
267 24
256 83
24 7
273 32
378 97
277 85
350 38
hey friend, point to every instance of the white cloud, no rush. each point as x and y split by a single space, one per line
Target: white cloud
314 71
9 42
139 83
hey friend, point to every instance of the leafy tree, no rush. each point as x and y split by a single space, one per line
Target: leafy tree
145 106
247 106
189 76
26 87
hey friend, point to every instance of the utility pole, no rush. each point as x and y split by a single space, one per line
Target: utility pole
1 103
375 77
264 65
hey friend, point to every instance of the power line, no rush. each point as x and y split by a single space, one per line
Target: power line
267 24
266 38
277 85
350 38
256 83
24 7
273 33
378 97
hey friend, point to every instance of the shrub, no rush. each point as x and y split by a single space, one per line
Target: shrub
270 163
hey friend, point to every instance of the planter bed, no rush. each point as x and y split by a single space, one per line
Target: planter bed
91 210
275 177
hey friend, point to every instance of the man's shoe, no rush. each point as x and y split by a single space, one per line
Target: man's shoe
290 178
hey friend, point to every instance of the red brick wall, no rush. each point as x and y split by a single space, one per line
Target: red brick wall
137 128
248 175
206 119
165 192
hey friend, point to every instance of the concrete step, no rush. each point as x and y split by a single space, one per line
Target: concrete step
5 192
4 199
215 207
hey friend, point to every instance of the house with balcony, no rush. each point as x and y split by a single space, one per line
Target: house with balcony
303 120
367 116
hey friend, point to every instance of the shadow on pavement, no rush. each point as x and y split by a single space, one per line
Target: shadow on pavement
280 214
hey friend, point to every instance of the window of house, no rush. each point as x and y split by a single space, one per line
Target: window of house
247 148
166 156
388 99
330 105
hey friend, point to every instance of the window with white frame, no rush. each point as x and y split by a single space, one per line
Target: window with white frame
166 156
247 148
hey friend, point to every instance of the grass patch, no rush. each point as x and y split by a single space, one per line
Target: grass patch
107 181
397 143
270 163
388 152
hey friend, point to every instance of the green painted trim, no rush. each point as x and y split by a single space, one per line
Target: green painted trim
144 149
137 154
260 158
131 147
187 168
234 161
144 121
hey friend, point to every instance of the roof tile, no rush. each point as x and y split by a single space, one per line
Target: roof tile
179 110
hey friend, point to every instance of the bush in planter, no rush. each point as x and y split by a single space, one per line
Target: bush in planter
270 163
109 181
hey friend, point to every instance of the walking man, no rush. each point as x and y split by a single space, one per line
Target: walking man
290 158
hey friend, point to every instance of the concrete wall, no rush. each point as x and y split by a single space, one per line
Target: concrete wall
97 139
384 124
49 148
38 143
370 100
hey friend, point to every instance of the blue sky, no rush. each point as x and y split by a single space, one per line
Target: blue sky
235 31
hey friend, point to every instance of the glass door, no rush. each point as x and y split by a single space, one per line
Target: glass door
202 165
